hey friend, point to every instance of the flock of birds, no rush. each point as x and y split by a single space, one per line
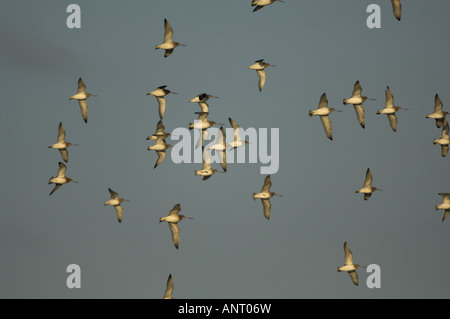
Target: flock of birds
203 124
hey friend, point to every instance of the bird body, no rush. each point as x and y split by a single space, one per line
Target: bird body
173 218
367 189
265 194
259 4
349 266
445 204
390 109
323 111
60 178
61 143
82 96
168 44
259 66
115 201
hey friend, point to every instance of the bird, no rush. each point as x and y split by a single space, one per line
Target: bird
438 114
390 109
61 143
82 96
445 204
160 93
265 196
397 8
237 140
160 147
201 100
221 148
115 201
259 66
169 288
323 111
444 141
262 3
202 124
60 178
173 218
206 170
160 131
357 100
368 189
349 266
168 45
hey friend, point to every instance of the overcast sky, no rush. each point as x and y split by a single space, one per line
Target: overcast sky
229 250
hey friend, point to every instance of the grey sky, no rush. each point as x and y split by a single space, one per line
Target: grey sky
229 250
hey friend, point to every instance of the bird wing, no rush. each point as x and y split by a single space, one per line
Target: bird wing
84 109
61 133
397 8
233 123
168 52
162 106
389 98
203 106
175 230
175 210
114 195
266 206
206 159
159 129
326 122
445 198
262 79
393 121
446 213
360 114
161 157
169 288
445 129
437 104
444 150
119 211
81 86
62 170
354 276
223 159
367 196
357 89
267 184
64 154
348 255
55 188
323 101
168 32
369 178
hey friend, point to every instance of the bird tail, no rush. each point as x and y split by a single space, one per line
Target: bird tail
310 113
344 101
435 141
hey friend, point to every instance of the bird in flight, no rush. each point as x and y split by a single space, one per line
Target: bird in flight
82 96
168 45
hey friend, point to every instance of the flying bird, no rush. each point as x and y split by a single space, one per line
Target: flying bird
173 218
390 109
61 143
445 204
82 96
259 67
444 141
202 124
160 131
349 266
160 94
221 148
115 201
160 147
397 9
60 178
169 288
357 100
323 111
168 45
206 170
265 195
368 189
237 140
201 100
262 3
438 114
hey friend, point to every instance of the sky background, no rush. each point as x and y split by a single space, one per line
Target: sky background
229 250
